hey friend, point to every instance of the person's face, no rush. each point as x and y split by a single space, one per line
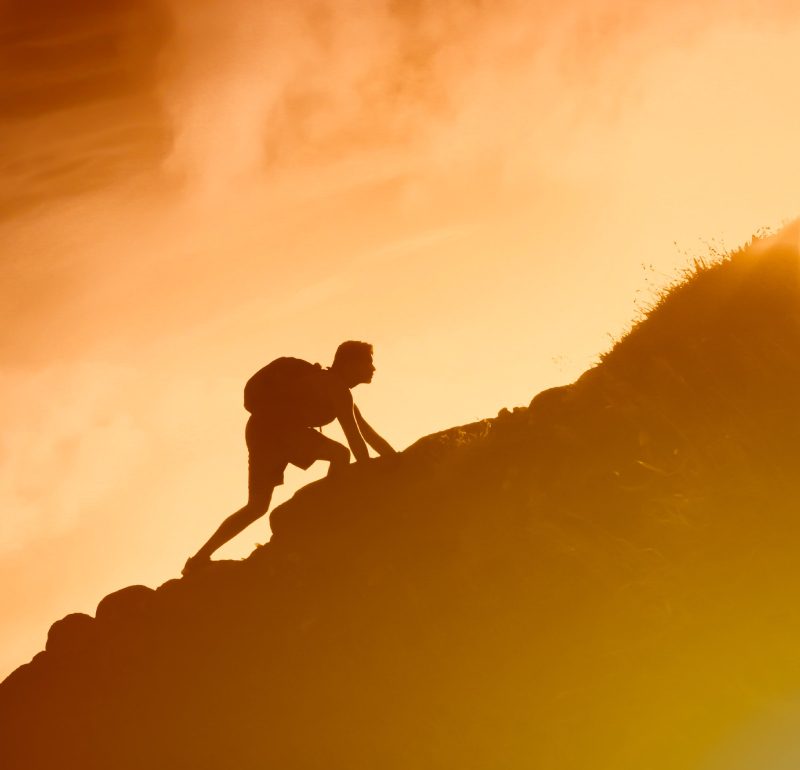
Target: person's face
362 370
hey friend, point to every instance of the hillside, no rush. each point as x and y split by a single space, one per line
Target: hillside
605 579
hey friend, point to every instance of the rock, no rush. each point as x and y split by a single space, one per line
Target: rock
127 603
72 633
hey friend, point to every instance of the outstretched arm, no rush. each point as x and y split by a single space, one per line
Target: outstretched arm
378 443
344 413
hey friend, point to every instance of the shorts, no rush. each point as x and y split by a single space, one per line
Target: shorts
272 447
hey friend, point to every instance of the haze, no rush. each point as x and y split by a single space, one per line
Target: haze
190 189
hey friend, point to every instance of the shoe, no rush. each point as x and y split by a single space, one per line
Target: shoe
195 564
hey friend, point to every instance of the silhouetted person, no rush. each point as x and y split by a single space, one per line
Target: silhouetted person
287 399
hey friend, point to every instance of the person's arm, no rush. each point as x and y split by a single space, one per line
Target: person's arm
378 443
344 413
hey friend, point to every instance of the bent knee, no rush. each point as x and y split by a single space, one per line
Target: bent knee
339 454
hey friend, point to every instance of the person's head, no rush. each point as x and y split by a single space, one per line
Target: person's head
353 362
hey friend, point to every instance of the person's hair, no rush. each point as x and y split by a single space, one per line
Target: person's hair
351 351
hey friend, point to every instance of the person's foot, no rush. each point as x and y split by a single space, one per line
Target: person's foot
195 564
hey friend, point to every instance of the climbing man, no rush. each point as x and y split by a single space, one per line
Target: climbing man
287 399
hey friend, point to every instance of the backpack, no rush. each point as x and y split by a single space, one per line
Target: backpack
279 391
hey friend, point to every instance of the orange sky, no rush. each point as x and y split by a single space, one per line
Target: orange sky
191 188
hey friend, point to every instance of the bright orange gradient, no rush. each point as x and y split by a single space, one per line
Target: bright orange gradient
193 188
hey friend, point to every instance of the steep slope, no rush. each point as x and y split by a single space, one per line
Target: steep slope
605 579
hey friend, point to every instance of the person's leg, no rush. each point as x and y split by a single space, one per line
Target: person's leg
308 445
337 455
257 506
265 466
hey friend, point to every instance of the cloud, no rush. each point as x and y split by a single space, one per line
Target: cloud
223 94
266 92
78 97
